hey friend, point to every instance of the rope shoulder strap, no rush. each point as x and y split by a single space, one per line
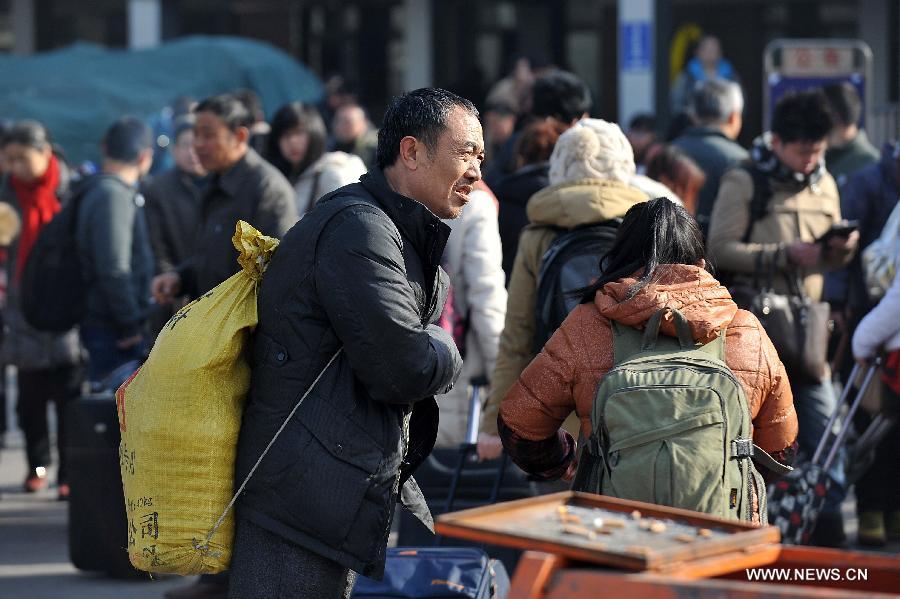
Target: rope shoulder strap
204 546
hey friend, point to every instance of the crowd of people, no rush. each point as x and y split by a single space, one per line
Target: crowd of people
699 224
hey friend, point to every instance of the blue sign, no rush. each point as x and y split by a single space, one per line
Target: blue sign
635 49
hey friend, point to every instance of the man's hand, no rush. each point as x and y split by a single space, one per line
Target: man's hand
489 447
804 255
165 287
128 342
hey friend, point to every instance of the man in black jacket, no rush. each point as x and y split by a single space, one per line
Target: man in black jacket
716 108
114 250
349 300
243 187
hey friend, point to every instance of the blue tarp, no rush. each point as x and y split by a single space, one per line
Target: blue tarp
77 92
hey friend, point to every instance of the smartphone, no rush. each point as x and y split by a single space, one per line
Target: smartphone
843 229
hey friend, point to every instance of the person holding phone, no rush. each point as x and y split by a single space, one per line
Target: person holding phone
781 213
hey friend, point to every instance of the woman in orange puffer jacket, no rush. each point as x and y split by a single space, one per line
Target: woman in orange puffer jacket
657 262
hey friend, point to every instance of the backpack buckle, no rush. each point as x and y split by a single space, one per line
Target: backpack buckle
741 448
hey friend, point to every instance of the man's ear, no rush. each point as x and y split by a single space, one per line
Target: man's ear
776 141
410 152
145 161
242 135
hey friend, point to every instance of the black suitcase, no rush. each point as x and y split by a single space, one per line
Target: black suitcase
98 527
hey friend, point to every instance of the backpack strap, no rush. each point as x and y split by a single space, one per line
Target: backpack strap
626 342
759 201
682 329
742 449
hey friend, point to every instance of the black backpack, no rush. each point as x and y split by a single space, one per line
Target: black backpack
570 263
52 290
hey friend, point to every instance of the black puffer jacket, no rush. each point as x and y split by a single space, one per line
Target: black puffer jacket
360 272
513 193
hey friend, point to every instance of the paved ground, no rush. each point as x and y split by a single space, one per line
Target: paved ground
34 557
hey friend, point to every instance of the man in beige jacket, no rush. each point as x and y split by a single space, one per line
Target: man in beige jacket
803 204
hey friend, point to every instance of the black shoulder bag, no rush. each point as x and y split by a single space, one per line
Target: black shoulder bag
798 326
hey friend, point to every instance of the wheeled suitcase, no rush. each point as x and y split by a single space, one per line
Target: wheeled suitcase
424 572
795 501
98 529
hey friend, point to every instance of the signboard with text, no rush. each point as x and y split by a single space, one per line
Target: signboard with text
801 64
636 47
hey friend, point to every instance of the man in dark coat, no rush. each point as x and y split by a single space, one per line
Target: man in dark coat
346 332
174 198
115 253
849 149
243 187
716 107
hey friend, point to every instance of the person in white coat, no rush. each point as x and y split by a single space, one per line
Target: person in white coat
472 259
878 491
296 146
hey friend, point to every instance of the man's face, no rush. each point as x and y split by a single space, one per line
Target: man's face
349 124
184 155
26 163
799 156
218 147
445 178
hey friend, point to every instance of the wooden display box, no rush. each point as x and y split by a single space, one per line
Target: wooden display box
537 523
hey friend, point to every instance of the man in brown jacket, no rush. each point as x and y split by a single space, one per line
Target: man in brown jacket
803 204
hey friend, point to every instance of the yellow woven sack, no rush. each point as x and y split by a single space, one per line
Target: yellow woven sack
179 416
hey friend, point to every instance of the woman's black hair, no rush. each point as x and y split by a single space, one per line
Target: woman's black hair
652 233
308 119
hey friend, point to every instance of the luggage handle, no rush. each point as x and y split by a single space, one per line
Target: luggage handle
471 445
204 546
474 420
872 368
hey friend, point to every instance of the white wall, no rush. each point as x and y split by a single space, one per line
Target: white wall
419 71
637 91
144 23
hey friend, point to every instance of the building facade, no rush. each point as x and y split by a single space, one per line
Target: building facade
386 46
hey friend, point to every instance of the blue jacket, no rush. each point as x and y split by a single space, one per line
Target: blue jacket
869 196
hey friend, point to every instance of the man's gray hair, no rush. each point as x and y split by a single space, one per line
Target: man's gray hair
714 100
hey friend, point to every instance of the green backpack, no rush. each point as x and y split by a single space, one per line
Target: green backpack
671 426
